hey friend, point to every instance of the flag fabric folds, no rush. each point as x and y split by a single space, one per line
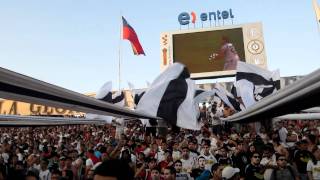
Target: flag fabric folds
317 10
254 83
227 97
105 94
171 97
129 34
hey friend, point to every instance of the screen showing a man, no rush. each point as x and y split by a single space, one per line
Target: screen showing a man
209 51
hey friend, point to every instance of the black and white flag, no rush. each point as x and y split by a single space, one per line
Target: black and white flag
254 83
227 97
171 97
105 94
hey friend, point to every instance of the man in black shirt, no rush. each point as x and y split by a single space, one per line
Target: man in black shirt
254 171
301 158
240 158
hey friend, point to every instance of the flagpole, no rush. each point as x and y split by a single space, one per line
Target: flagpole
316 10
120 55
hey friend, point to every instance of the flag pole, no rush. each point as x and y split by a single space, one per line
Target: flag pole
120 55
317 11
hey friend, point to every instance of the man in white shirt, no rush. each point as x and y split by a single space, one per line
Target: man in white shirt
188 162
228 52
44 173
210 159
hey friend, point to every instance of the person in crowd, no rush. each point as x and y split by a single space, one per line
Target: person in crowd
206 153
301 158
31 176
240 157
223 156
168 160
313 166
67 150
283 170
228 52
56 175
216 171
188 162
155 174
44 173
178 169
113 169
254 171
169 173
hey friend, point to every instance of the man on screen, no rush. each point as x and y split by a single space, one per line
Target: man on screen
228 52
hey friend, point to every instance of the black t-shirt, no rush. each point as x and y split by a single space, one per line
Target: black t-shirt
240 161
254 172
301 158
224 160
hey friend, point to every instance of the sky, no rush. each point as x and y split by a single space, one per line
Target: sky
75 43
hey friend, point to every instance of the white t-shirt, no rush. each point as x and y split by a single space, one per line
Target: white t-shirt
5 157
210 160
188 164
160 156
45 175
283 134
272 161
20 157
314 169
176 155
89 163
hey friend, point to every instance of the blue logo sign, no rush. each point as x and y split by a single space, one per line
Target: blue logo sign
184 18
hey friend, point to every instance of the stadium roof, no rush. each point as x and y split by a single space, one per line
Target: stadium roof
19 87
16 120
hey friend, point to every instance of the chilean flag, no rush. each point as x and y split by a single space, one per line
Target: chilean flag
130 34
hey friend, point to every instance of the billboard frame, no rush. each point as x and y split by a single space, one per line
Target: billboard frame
253 43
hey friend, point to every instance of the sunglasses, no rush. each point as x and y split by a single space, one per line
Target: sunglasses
282 159
256 157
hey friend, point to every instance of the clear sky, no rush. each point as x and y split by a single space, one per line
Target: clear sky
75 43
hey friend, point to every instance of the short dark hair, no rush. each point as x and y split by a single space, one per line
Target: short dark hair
32 174
278 155
254 154
178 161
115 168
171 169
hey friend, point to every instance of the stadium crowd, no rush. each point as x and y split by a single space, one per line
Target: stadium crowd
289 150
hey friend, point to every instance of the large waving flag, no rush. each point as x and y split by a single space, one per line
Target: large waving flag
254 83
171 97
317 10
129 34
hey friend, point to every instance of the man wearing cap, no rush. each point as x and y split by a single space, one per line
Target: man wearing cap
62 163
230 173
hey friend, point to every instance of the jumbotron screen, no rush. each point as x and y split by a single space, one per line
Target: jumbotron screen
209 51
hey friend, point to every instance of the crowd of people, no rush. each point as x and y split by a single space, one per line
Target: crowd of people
287 151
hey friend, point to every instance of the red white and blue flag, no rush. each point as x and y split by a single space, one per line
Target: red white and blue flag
129 34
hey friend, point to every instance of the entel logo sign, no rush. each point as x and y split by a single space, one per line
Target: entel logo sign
184 17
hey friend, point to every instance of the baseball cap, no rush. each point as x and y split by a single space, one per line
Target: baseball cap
228 172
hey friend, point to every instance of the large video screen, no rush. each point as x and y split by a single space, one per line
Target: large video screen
209 51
